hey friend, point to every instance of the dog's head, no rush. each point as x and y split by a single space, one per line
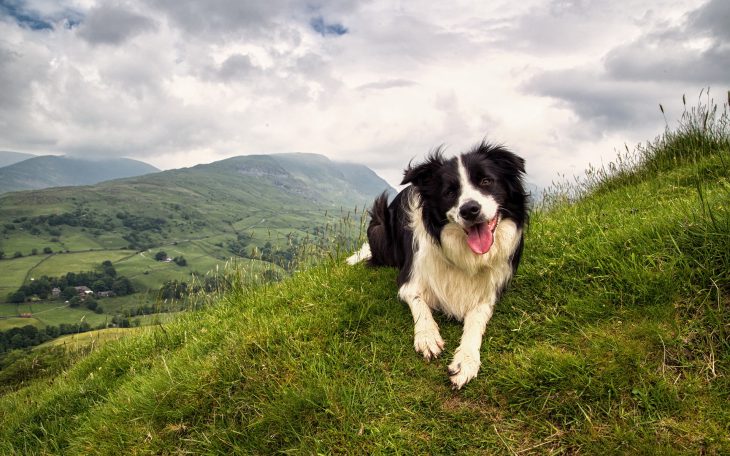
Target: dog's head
474 190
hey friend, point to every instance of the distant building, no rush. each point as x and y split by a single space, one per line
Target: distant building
84 291
105 294
56 292
26 315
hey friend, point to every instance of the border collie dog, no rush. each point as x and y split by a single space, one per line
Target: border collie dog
455 234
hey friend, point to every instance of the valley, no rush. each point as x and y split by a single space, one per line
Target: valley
258 212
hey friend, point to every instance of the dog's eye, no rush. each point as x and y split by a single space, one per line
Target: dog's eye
485 182
450 192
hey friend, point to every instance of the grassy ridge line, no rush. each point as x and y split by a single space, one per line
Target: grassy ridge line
610 341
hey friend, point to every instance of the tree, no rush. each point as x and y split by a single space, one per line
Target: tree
17 297
161 255
180 261
75 301
2 254
69 292
122 286
47 250
17 255
99 285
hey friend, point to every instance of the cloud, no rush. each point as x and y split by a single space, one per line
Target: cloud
112 24
237 67
387 84
179 82
712 19
18 11
665 60
319 25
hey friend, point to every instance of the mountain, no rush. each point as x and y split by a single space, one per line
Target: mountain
309 175
206 213
7 158
60 171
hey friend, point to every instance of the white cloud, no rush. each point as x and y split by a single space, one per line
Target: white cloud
177 83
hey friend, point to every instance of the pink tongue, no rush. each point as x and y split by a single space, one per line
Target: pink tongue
480 238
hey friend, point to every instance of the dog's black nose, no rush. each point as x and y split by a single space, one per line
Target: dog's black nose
470 210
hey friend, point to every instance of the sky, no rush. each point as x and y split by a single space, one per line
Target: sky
563 83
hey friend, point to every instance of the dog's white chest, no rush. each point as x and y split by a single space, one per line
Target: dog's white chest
453 279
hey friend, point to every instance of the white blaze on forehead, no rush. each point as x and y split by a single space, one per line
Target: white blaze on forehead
468 192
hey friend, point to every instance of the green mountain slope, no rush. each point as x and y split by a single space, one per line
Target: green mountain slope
613 339
207 213
60 171
8 158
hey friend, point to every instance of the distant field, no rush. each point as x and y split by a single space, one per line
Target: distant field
60 263
24 242
13 271
10 323
53 313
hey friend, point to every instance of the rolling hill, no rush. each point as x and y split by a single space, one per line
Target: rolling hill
60 171
207 213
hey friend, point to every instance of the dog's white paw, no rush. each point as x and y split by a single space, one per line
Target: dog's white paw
429 343
463 368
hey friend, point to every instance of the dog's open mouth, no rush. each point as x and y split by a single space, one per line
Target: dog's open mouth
480 236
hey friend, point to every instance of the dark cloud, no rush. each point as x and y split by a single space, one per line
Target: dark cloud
631 80
712 19
319 25
665 60
606 103
114 25
237 67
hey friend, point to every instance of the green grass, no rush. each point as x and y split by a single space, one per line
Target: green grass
77 261
613 339
87 339
14 272
53 313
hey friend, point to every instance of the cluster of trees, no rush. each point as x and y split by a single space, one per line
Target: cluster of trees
141 222
82 217
30 336
123 322
46 250
278 256
239 246
283 258
105 278
178 260
144 310
177 289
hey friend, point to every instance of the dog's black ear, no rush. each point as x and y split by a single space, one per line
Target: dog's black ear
421 175
503 158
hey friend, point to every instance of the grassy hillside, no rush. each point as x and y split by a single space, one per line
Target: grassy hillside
208 214
56 171
613 339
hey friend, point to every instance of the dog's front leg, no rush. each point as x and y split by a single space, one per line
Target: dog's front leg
465 364
426 339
